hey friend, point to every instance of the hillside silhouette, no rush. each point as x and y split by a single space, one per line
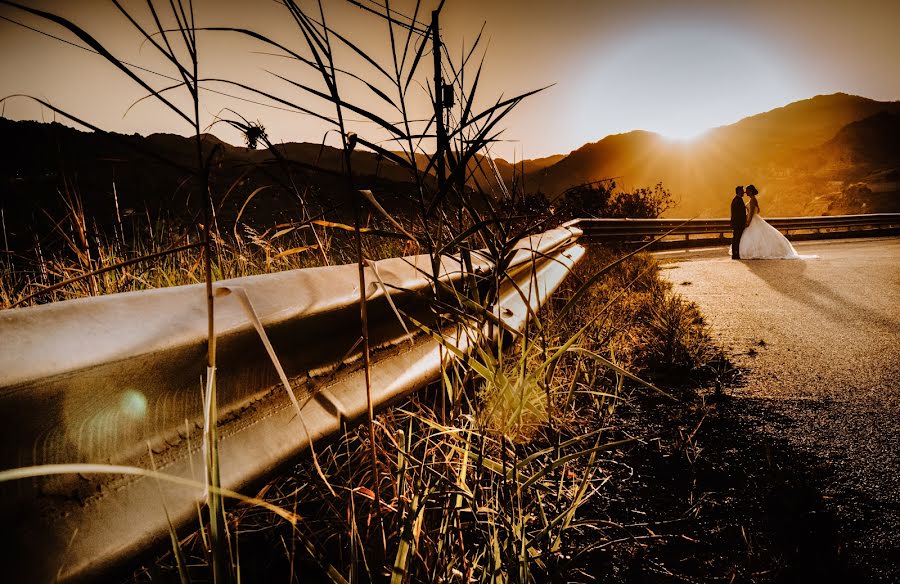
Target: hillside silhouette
802 156
829 154
150 177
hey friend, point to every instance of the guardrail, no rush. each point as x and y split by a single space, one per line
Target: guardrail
102 380
699 232
110 379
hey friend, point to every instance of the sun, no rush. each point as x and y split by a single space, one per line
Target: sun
682 80
683 134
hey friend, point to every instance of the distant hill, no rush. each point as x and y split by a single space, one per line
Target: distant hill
149 176
482 175
790 153
804 157
529 166
860 145
861 159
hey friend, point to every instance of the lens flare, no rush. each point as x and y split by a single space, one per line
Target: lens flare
133 404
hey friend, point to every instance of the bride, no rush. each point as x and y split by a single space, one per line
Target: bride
761 241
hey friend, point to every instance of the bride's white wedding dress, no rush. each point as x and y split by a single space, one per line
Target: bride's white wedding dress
761 241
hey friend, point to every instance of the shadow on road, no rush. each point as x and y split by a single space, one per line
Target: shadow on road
748 508
814 496
788 278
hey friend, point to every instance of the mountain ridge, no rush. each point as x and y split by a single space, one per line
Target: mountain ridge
802 156
769 149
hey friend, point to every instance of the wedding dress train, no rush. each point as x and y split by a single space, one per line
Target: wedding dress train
761 241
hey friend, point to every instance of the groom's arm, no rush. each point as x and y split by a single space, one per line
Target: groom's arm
736 209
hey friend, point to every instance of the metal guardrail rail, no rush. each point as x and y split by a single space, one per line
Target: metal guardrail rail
98 380
698 232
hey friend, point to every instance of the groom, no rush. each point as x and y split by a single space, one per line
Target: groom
738 221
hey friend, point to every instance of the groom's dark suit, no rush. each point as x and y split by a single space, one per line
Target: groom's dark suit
738 222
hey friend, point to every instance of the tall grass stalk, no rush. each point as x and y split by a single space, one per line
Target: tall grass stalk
482 477
179 48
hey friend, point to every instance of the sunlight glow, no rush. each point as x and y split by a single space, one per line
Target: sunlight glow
682 79
687 135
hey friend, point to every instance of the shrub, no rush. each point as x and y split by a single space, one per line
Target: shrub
601 199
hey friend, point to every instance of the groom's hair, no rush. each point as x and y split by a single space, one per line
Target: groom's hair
738 190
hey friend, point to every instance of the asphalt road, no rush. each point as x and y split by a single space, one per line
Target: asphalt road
821 340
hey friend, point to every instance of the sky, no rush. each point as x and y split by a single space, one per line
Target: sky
676 68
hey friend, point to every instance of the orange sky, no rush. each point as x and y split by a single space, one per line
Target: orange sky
672 67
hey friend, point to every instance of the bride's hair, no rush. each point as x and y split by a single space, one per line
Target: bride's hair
751 190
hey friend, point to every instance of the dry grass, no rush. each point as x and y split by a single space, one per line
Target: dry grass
494 485
503 486
146 261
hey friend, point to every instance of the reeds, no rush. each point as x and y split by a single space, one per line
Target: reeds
482 477
510 483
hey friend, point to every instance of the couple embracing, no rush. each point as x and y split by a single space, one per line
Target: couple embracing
753 238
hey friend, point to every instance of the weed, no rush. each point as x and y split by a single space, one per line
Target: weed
502 488
491 485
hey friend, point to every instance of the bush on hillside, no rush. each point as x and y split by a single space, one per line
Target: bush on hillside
601 199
